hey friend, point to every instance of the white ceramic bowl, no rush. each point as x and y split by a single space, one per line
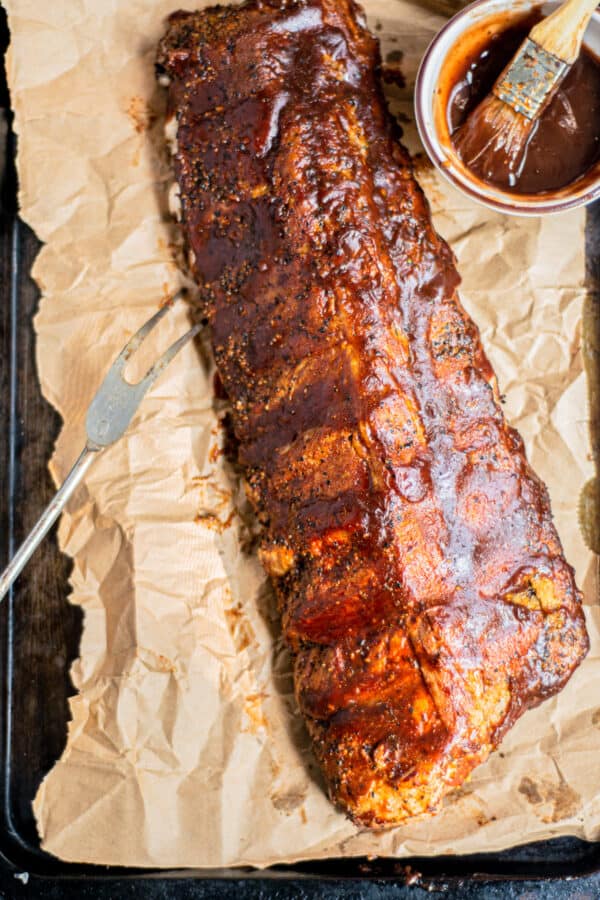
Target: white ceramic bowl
431 118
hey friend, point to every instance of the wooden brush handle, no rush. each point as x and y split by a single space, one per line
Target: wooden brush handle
561 33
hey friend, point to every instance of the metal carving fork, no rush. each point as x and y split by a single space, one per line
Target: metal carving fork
108 417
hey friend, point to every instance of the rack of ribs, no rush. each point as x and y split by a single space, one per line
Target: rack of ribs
421 582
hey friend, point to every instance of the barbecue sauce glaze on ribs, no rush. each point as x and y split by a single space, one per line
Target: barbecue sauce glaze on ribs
421 582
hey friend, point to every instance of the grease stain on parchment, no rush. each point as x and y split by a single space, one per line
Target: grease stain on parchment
287 802
212 521
216 504
141 114
551 801
142 117
253 709
171 254
214 453
392 70
239 627
470 805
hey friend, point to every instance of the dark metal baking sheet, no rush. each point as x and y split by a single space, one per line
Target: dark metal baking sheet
39 638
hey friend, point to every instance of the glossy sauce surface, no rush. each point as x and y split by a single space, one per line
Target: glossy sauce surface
564 143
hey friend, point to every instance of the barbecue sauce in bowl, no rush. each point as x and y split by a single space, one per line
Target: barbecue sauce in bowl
565 141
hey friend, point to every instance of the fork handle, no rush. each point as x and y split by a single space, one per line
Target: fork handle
47 519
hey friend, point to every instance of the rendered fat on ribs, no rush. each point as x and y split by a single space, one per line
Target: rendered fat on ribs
422 585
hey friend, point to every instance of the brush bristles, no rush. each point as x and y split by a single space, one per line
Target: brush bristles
493 141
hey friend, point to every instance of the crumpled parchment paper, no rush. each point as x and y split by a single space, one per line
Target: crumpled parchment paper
185 746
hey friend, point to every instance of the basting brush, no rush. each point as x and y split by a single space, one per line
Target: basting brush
493 140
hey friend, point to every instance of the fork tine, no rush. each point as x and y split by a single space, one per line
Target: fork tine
134 342
163 361
117 400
